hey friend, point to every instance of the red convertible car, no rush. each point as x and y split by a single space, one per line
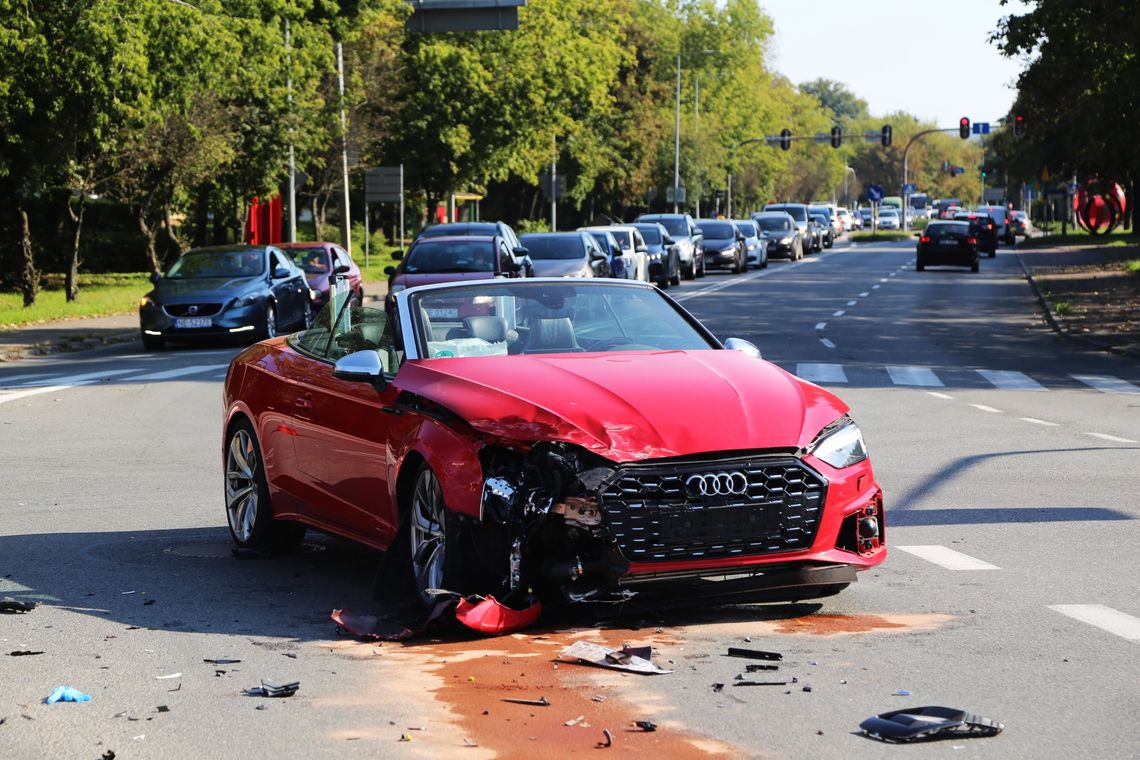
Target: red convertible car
526 434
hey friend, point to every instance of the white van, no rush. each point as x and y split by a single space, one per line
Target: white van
1000 215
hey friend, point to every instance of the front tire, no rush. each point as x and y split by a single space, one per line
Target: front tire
675 280
151 343
269 329
249 511
429 528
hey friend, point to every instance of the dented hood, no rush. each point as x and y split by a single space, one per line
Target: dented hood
629 406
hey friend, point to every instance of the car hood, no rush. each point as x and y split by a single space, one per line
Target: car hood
204 287
630 406
557 267
719 243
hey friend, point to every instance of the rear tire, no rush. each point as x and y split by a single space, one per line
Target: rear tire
919 266
249 511
974 267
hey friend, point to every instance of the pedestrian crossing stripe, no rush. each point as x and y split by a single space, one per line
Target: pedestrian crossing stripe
920 376
946 557
1106 618
1107 384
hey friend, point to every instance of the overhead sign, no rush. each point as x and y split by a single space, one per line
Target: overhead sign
675 197
384 184
909 188
822 138
981 127
464 15
874 193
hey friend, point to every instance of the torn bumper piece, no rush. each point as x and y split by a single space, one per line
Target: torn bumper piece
491 617
917 724
766 584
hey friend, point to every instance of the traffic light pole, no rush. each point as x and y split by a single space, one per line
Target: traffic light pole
906 170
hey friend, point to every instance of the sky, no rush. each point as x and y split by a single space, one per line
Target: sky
929 59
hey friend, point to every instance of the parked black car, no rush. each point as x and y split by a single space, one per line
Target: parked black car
779 230
235 291
823 221
664 256
950 243
566 254
723 245
984 228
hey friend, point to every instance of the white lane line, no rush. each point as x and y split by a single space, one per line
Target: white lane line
11 379
1107 384
839 313
936 394
852 303
752 276
819 326
864 294
6 397
1036 421
180 372
882 279
1105 618
81 379
893 274
821 373
989 409
923 376
827 343
947 558
1014 381
876 287
1113 438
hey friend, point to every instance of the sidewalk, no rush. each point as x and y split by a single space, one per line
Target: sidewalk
69 335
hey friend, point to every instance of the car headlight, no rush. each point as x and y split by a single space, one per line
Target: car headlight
786 240
313 294
729 249
840 444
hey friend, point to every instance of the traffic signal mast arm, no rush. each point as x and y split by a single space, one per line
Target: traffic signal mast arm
906 165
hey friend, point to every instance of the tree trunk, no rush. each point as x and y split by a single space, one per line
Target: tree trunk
168 223
148 233
201 214
72 280
31 277
318 218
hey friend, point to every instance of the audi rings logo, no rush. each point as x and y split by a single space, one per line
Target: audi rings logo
717 484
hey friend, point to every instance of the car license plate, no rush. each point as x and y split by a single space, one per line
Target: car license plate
443 313
189 322
948 242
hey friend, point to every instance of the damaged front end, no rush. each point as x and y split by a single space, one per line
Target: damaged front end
545 501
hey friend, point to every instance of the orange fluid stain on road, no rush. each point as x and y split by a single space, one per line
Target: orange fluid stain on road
829 625
477 675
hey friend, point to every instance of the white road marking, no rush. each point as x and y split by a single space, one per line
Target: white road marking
10 380
839 313
947 558
989 409
893 274
827 342
852 303
752 276
170 374
1106 618
922 376
1036 421
819 326
1017 381
821 373
80 379
1107 384
936 394
864 294
6 397
882 279
876 287
1113 438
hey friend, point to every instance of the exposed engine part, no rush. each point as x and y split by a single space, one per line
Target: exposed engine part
516 564
578 511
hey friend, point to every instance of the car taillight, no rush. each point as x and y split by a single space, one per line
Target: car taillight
924 239
971 241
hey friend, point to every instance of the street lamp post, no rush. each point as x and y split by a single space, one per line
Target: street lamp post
677 130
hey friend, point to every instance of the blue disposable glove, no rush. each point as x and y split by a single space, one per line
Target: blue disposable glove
67 694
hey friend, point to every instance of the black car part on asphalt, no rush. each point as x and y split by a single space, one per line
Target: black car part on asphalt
917 724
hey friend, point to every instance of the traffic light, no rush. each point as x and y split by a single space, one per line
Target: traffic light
886 135
785 139
1018 126
964 128
836 137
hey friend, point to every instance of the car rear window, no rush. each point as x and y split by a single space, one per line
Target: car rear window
431 257
564 247
799 213
717 230
774 223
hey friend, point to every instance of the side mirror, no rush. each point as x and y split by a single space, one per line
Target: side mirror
741 345
362 367
280 273
155 277
512 266
342 268
642 249
389 269
397 255
521 251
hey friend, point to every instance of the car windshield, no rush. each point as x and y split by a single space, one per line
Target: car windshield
651 234
944 229
241 263
888 212
774 223
676 225
799 213
311 260
717 230
467 228
822 218
747 228
432 257
503 318
623 238
565 247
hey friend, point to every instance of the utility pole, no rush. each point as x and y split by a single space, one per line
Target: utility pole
677 138
697 136
345 221
292 157
554 184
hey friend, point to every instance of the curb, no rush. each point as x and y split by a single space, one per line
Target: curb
1060 327
15 351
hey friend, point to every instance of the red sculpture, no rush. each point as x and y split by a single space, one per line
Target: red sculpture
1099 206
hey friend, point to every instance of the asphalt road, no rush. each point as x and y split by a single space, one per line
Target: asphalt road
1009 460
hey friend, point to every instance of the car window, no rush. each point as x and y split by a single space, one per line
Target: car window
718 230
652 235
563 247
311 260
241 263
506 258
622 238
341 329
441 256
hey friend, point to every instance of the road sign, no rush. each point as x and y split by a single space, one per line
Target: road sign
981 127
871 135
909 188
559 184
678 197
874 193
384 184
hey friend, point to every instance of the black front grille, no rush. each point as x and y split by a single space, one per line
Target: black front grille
192 309
657 514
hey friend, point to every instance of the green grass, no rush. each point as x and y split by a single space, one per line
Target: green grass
879 236
1132 267
1062 307
99 296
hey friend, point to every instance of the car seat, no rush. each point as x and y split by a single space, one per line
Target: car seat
550 336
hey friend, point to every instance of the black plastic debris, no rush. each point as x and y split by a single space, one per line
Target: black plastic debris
753 654
917 724
761 683
23 653
540 702
273 689
222 662
646 725
163 708
753 667
149 602
108 755
718 687
8 604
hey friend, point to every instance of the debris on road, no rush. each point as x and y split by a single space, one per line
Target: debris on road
66 694
23 653
8 604
168 676
405 737
585 653
901 693
607 739
647 726
489 616
598 698
273 689
753 654
928 723
718 687
575 721
221 661
753 667
761 683
540 702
